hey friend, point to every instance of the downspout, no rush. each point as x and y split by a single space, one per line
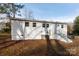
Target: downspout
55 31
24 30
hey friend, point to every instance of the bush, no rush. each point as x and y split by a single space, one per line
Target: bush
7 30
76 26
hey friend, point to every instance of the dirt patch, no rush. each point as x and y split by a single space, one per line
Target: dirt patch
38 48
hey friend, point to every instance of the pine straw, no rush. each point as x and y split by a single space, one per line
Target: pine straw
38 48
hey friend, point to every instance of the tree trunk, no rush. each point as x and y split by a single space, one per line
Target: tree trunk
13 14
14 11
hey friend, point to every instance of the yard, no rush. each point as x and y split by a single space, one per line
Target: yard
37 47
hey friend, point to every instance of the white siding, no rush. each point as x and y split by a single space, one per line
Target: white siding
19 31
62 31
51 30
33 32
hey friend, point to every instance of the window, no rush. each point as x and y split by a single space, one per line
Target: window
62 26
43 25
26 23
34 24
47 25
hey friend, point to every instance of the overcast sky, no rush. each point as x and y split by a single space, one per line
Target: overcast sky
55 11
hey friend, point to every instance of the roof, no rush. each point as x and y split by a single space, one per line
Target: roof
34 20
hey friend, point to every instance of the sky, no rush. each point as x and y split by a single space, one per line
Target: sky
63 12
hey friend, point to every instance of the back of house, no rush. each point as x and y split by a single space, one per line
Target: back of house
23 29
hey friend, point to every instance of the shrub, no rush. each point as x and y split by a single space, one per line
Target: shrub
7 30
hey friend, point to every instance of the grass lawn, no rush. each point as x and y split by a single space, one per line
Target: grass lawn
4 37
4 34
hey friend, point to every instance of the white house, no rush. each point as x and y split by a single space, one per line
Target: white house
23 29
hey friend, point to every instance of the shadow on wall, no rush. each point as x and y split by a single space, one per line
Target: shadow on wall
57 50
